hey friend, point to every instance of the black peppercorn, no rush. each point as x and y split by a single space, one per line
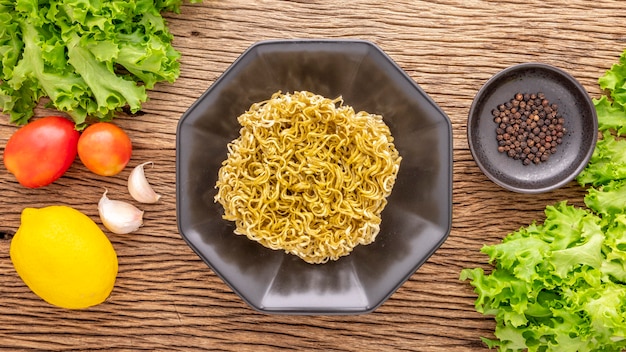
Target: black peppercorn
529 127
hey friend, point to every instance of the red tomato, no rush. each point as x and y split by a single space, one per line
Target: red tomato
104 148
41 151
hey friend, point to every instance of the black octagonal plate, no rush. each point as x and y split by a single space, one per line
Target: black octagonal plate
415 222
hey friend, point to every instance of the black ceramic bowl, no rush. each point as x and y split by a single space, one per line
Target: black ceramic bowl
415 222
574 104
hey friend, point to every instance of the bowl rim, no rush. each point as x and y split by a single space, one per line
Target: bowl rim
476 103
445 227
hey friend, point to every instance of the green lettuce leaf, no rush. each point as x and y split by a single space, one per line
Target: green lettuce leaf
614 80
610 116
550 289
109 90
67 90
608 199
91 58
607 163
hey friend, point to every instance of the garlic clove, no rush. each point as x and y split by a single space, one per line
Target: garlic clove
118 216
138 185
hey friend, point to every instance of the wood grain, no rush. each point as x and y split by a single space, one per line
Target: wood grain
167 299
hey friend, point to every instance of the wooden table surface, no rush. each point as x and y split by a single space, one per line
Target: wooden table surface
166 298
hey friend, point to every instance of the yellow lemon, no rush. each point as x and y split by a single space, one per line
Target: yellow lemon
64 257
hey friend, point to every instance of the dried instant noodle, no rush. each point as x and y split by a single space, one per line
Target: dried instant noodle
308 175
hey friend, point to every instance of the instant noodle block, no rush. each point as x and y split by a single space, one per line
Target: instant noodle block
403 222
308 175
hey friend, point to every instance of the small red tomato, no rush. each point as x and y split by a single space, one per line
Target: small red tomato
41 151
104 148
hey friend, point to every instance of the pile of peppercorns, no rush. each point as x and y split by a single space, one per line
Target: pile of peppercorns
529 128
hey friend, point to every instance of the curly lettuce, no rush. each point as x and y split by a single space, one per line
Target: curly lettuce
91 58
614 81
556 286
608 162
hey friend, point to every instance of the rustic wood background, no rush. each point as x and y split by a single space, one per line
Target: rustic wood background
166 298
